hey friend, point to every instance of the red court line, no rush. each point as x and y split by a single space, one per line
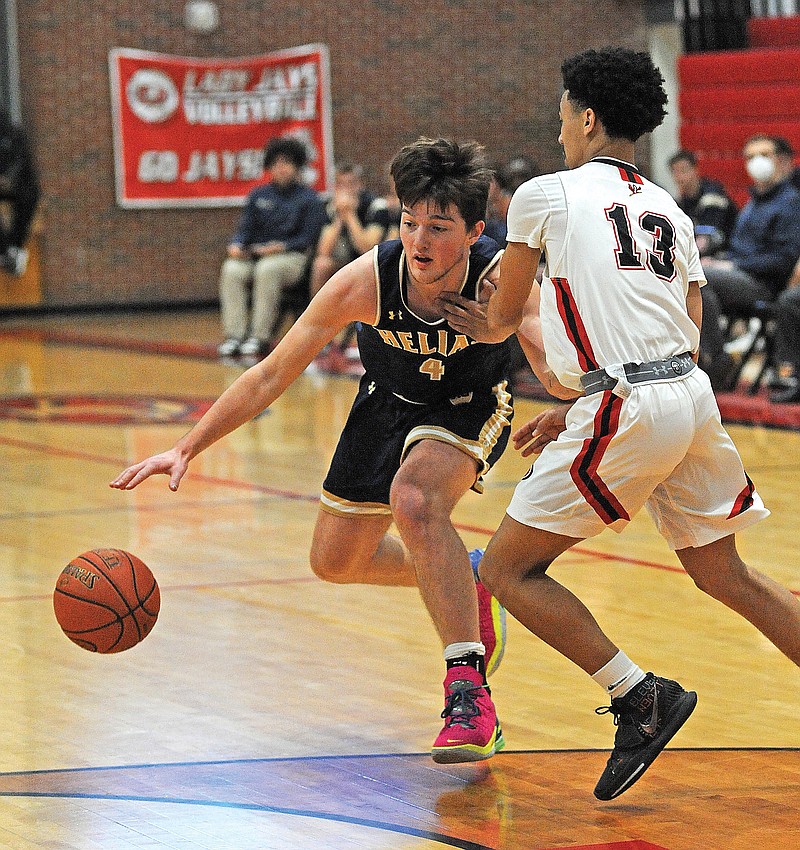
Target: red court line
304 497
205 585
207 351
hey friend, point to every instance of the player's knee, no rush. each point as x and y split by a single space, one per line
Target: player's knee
490 574
498 576
412 508
722 584
329 565
720 578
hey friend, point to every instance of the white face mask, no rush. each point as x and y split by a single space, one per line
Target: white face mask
761 168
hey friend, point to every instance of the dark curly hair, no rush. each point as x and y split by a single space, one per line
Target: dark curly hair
287 147
446 172
623 87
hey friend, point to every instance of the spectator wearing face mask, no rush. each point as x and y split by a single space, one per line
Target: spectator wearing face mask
764 248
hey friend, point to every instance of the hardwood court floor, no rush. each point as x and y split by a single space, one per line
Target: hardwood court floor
270 710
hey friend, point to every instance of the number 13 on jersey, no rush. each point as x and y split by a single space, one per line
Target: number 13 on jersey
660 231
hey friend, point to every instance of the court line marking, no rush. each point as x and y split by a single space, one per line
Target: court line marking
206 351
439 838
293 495
353 756
429 835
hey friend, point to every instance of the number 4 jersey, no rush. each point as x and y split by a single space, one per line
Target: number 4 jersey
426 362
620 255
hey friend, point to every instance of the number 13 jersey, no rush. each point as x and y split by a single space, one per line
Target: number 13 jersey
620 255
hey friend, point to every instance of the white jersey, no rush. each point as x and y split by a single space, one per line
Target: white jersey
619 258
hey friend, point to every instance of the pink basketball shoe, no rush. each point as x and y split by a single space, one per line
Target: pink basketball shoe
471 729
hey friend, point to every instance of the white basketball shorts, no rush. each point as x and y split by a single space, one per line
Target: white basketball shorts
663 447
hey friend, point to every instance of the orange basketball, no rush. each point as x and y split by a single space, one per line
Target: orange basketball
106 600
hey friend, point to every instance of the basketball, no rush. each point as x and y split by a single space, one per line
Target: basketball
106 600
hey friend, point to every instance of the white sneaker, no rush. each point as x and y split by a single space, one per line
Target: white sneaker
743 341
229 347
252 346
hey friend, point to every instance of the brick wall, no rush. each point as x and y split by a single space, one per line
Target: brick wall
399 70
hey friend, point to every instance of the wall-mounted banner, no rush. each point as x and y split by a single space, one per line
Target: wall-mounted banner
191 132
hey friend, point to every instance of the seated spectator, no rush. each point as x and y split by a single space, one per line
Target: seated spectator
388 210
786 386
505 181
279 226
706 203
19 185
785 153
357 222
764 248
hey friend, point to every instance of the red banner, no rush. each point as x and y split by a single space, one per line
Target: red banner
191 132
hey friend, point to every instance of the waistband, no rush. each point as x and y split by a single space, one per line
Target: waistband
639 373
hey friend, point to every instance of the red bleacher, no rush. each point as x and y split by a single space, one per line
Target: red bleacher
726 97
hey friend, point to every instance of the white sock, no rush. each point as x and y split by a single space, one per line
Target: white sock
456 650
618 676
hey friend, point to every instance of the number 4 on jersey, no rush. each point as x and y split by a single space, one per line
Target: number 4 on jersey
661 260
433 368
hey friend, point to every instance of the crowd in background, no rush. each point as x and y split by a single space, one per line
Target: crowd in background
751 260
19 191
291 240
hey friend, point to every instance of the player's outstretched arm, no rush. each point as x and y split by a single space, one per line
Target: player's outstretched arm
349 296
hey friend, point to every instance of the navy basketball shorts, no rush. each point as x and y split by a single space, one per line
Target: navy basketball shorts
382 428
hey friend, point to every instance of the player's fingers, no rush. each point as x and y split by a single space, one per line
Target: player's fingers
134 475
121 481
176 476
528 428
536 445
138 478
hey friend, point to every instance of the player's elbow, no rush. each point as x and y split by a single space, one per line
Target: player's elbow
501 327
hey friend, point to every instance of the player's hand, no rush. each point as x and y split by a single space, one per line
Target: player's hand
532 437
267 249
467 316
173 463
345 204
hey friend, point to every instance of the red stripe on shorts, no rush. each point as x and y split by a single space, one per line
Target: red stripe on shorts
584 467
744 500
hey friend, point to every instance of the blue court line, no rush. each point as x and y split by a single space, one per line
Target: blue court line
353 756
256 807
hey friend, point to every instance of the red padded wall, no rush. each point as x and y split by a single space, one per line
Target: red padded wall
726 97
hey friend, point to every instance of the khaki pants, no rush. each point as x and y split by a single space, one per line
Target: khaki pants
269 276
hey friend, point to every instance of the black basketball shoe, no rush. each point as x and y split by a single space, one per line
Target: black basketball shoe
646 719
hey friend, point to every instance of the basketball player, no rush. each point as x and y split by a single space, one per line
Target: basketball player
620 319
431 416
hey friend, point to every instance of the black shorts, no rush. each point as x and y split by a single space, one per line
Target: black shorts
381 428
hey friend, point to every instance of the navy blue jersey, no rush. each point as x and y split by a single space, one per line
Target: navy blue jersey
427 361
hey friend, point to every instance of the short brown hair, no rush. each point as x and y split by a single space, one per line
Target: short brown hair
445 172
